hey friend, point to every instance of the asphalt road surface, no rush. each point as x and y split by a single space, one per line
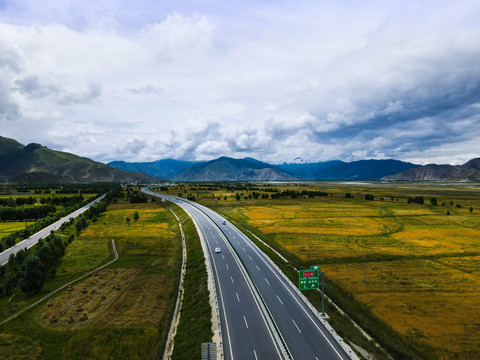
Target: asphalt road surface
32 240
245 330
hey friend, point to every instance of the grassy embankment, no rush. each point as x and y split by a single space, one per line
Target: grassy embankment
421 269
122 312
195 326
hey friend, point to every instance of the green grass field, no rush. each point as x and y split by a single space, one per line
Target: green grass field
121 312
9 227
421 260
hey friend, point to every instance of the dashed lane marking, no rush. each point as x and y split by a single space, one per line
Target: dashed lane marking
296 326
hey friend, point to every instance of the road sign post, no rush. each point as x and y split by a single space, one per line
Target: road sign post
309 280
323 293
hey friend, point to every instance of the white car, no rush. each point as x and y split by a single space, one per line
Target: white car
217 250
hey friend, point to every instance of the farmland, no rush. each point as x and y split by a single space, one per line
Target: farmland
119 312
420 260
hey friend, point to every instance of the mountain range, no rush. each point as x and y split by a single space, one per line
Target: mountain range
249 169
166 168
229 169
470 171
35 163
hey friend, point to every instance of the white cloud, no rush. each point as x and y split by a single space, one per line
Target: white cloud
276 81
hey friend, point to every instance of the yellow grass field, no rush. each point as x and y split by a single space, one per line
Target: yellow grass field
422 261
9 227
425 298
83 303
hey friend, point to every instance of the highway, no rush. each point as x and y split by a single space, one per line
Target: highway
298 326
32 240
246 333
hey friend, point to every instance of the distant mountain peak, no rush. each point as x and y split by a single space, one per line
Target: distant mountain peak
470 171
230 169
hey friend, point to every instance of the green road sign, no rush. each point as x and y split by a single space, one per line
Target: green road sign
308 279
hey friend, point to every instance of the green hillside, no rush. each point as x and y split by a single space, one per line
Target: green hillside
17 161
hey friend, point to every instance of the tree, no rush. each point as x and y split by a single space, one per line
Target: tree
433 201
10 281
136 216
471 209
127 219
30 281
237 196
45 257
369 197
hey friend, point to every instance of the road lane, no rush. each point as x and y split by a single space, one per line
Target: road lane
245 330
309 339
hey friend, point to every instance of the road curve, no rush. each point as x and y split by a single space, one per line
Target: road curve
32 240
246 333
305 334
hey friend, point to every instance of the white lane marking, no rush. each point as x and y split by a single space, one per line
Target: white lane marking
255 353
238 242
250 257
237 297
244 249
267 281
263 317
227 266
316 357
246 324
296 326
231 278
257 267
223 257
289 290
279 300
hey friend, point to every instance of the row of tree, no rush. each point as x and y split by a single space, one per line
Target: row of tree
29 269
11 239
18 201
23 213
292 194
62 200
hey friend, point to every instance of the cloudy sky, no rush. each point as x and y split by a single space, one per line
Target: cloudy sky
281 81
